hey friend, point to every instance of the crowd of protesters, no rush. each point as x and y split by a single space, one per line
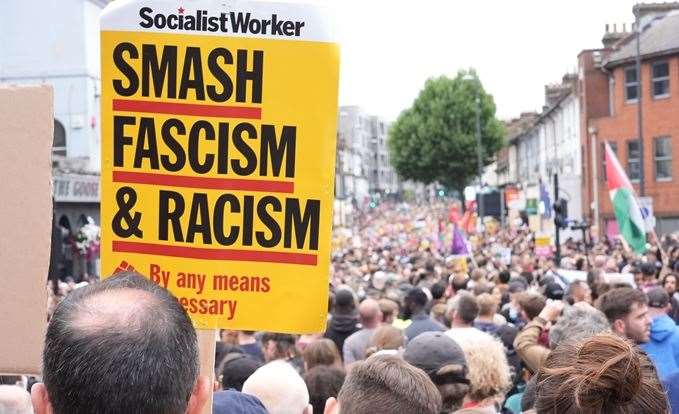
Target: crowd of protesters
417 327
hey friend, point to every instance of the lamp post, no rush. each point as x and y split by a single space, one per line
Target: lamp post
640 118
479 148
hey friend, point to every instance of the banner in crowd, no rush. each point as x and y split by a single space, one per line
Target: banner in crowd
543 245
218 156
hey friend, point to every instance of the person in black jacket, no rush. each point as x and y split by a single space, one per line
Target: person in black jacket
344 319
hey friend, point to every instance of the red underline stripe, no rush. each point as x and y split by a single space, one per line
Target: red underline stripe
208 183
214 254
173 108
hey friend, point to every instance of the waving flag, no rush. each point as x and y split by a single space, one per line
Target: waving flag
459 245
627 211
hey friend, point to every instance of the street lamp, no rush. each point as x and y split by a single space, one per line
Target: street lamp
479 157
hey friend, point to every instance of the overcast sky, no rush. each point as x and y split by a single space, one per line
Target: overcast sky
390 47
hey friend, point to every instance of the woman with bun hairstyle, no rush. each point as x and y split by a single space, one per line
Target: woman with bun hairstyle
603 374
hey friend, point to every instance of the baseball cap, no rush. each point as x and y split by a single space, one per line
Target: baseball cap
434 351
234 402
657 297
553 291
235 369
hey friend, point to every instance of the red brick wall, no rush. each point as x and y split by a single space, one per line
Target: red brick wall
660 118
593 94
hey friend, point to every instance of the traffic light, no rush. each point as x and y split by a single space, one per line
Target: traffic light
561 213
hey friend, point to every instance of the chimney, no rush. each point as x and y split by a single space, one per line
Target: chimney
611 38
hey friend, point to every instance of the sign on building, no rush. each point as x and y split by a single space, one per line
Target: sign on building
76 188
646 206
218 157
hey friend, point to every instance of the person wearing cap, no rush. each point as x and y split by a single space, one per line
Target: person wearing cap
443 360
234 402
344 319
414 305
663 347
235 369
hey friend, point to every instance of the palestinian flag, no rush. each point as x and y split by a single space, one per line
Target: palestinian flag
627 211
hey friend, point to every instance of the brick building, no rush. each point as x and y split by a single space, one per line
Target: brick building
608 93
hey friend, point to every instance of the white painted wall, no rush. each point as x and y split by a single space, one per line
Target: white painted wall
57 42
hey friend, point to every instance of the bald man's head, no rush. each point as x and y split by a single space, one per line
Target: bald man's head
370 313
126 345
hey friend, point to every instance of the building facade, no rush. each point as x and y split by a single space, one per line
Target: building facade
610 98
540 145
60 47
363 168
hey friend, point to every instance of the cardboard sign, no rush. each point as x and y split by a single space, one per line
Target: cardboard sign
218 157
26 131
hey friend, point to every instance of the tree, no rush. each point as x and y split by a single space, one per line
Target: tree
435 141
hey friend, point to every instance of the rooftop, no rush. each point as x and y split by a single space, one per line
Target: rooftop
658 38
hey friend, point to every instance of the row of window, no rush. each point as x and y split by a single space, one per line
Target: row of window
662 158
660 82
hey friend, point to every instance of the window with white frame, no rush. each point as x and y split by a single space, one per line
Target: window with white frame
634 160
631 84
660 83
662 155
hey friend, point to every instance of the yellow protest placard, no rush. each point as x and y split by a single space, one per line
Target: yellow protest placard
218 156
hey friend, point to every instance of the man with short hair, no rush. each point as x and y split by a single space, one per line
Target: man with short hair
627 311
355 345
386 384
414 305
487 321
663 347
648 280
280 388
124 345
389 309
462 312
531 304
579 291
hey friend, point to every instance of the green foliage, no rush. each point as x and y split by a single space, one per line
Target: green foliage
434 140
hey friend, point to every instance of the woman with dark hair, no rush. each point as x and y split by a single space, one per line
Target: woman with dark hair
602 374
669 282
